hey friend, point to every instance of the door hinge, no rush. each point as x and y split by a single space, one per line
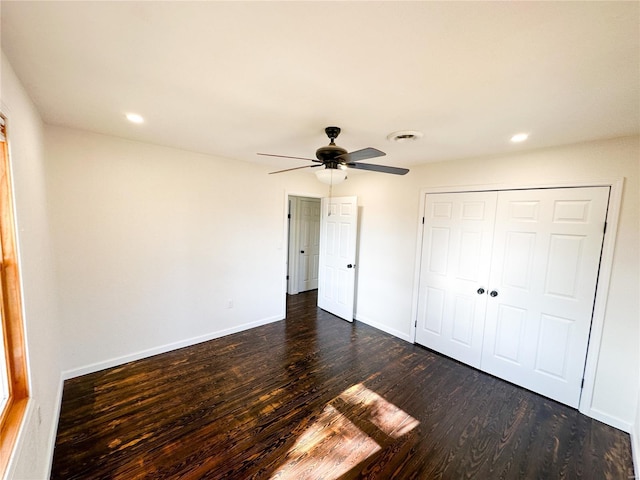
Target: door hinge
423 220
415 324
605 227
287 277
288 215
582 383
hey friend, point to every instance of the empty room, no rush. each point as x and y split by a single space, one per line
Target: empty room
319 240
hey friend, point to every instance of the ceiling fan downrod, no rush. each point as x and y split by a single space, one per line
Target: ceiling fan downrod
329 154
332 133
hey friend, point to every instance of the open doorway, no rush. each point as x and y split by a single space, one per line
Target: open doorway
303 244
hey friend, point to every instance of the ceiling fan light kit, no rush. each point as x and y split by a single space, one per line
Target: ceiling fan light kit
331 176
336 159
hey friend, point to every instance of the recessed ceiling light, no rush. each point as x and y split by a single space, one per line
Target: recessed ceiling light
404 136
519 137
135 118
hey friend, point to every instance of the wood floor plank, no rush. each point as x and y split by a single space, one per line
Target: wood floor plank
318 398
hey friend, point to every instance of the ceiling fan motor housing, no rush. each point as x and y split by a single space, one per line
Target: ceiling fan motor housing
328 155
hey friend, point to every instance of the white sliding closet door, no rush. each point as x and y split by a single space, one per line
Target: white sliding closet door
456 258
545 261
508 282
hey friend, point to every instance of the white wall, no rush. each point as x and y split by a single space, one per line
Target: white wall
388 234
35 443
152 243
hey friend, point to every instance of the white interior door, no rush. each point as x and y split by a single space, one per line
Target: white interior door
546 255
456 256
338 232
309 243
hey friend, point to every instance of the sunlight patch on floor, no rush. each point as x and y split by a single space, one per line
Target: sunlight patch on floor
352 427
388 418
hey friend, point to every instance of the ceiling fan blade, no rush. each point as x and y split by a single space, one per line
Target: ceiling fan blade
378 168
295 168
363 154
286 156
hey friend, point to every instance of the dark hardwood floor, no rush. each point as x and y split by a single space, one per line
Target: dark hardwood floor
315 397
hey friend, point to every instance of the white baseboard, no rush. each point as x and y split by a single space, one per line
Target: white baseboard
114 362
54 425
631 429
610 420
391 331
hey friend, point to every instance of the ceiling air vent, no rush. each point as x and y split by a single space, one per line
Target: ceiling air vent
404 136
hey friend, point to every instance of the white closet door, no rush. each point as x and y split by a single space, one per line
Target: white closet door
546 255
456 255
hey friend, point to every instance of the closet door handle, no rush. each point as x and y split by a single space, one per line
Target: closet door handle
493 293
480 291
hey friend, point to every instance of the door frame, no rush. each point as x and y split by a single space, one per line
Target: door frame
293 239
604 276
285 243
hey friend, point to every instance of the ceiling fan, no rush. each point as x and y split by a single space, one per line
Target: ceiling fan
336 159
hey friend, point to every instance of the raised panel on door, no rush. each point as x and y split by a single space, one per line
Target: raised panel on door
546 254
456 250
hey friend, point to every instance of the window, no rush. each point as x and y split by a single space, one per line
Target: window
14 391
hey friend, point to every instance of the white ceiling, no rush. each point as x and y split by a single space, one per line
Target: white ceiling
236 78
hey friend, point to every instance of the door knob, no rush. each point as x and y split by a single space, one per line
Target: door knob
494 293
480 291
301 251
350 266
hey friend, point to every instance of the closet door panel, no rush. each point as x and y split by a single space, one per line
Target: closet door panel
455 263
545 259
